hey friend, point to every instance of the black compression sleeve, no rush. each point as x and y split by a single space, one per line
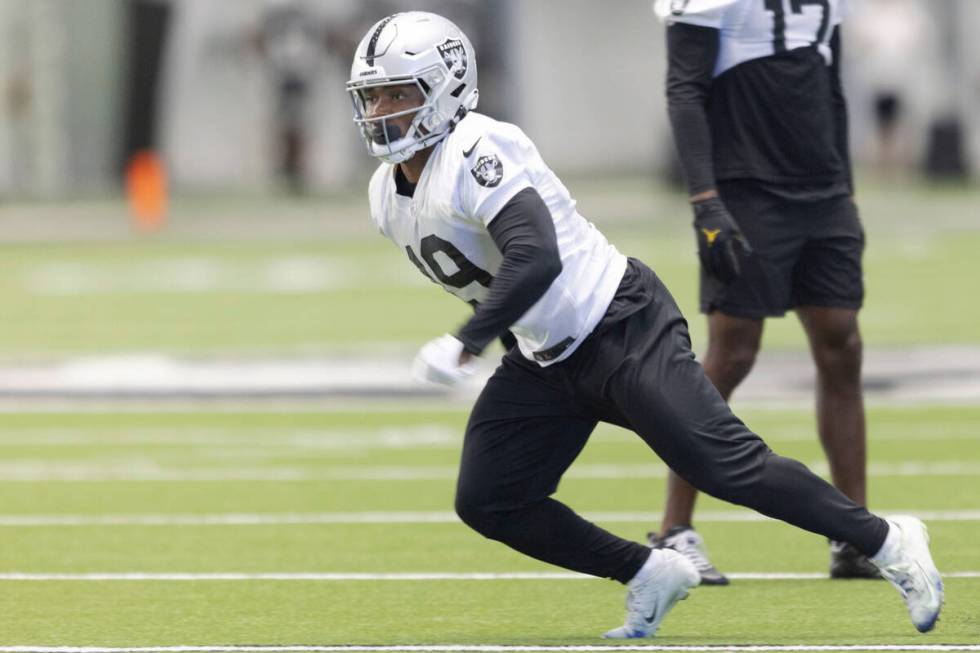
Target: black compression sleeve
840 106
525 233
691 54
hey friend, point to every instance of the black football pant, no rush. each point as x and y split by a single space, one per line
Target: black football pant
636 370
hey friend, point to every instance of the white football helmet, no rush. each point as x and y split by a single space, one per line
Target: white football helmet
423 49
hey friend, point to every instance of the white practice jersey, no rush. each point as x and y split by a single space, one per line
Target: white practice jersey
471 175
751 29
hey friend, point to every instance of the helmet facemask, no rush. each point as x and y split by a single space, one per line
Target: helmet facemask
384 139
414 49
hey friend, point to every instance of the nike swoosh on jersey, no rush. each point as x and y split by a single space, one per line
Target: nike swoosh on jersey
467 153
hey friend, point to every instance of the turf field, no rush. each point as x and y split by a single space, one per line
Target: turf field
290 506
332 524
257 276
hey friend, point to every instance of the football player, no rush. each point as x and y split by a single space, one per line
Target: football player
758 115
473 206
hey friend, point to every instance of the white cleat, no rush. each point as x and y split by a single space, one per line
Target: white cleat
663 580
905 561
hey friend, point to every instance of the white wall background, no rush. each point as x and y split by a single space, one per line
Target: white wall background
589 79
968 91
583 77
59 84
219 102
584 80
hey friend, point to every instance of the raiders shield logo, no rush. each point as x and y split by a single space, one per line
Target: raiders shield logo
488 171
454 55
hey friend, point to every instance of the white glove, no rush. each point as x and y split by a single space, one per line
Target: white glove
438 362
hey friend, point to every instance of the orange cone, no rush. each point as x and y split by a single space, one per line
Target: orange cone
146 189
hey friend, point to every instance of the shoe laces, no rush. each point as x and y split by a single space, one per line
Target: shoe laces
689 546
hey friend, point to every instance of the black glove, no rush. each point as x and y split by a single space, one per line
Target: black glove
721 246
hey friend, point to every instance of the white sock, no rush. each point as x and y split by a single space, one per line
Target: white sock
644 572
887 551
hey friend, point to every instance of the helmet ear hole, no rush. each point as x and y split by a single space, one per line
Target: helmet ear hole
433 121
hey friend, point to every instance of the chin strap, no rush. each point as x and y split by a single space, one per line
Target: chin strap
386 136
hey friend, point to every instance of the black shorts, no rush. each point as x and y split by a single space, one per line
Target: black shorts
805 253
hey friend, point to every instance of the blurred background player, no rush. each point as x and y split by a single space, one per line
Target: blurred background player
758 115
885 32
293 41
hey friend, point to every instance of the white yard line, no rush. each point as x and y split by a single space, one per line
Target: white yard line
147 469
490 648
274 274
393 576
431 436
400 517
317 404
419 437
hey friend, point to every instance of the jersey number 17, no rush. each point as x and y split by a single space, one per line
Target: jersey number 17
778 9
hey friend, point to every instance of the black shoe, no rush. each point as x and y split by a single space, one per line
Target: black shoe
686 541
847 562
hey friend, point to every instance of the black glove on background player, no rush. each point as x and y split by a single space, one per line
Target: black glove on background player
721 245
